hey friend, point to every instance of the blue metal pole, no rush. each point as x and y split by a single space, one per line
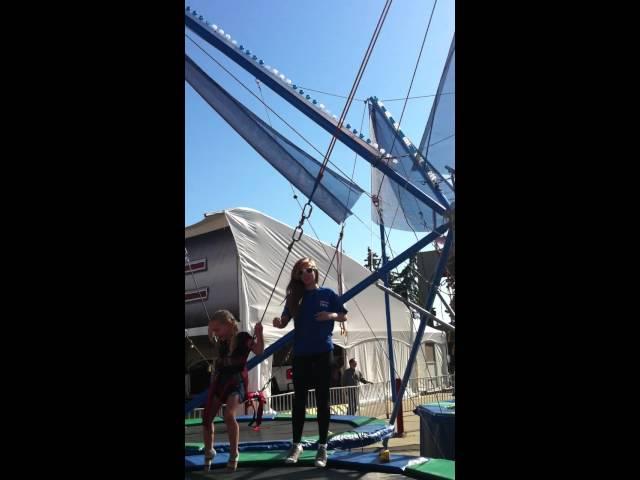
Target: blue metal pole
444 325
271 349
423 323
324 120
392 367
375 276
196 401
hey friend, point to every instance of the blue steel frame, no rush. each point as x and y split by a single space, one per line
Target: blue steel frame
387 309
411 151
324 120
374 157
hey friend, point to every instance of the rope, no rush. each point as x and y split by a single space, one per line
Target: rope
262 101
409 91
382 100
306 213
295 197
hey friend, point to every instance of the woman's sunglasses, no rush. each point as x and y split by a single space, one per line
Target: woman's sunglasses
308 270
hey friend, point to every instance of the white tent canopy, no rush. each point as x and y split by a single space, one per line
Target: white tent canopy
244 252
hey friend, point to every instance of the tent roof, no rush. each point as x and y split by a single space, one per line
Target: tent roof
261 244
211 222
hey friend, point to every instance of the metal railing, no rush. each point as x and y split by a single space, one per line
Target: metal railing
195 413
369 400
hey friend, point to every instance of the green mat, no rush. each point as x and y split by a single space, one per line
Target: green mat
247 459
190 422
194 445
435 468
442 405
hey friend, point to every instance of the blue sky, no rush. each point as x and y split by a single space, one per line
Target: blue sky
319 45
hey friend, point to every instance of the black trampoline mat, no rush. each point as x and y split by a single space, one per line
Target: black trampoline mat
272 430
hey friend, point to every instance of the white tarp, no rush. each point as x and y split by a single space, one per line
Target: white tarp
261 244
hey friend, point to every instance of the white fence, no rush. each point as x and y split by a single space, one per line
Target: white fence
370 400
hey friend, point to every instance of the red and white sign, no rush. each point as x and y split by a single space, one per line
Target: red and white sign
196 295
195 266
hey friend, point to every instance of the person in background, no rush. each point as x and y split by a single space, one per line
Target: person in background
352 378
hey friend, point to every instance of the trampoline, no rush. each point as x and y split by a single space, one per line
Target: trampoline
340 464
262 452
268 431
345 432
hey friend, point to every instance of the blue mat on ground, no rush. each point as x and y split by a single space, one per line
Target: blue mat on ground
196 462
363 462
369 462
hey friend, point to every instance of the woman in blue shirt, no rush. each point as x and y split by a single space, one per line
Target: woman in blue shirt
314 310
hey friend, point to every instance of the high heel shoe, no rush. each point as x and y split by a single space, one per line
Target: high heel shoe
232 464
209 455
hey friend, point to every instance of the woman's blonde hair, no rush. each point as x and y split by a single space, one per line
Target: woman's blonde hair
295 289
225 316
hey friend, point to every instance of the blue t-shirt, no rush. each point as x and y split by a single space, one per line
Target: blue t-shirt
313 336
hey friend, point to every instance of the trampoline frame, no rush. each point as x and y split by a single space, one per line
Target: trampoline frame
366 431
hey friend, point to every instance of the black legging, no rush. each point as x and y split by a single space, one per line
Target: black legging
313 371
